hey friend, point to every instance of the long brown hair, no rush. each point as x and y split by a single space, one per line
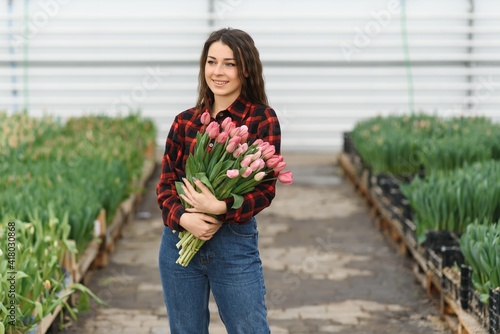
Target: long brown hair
247 61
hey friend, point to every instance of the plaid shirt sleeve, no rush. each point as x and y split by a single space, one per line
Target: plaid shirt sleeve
262 123
171 171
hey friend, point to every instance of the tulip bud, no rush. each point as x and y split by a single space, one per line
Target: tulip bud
244 147
264 145
285 177
273 161
205 118
258 142
229 127
281 165
268 152
243 130
237 152
247 172
46 284
225 122
222 137
259 176
244 138
246 161
212 130
233 143
234 132
256 155
236 140
257 165
232 173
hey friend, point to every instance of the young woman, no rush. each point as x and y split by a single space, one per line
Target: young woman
231 84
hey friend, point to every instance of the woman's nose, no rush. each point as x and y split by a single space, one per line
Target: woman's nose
218 69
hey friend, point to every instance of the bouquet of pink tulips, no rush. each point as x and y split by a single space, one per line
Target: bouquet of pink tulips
227 165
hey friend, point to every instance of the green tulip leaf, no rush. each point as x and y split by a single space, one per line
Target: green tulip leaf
238 201
83 303
39 311
21 274
203 178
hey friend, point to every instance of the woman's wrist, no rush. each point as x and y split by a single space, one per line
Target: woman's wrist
221 208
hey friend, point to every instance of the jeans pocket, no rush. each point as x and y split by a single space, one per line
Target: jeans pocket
248 230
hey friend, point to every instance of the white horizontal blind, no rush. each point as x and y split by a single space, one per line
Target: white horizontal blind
327 63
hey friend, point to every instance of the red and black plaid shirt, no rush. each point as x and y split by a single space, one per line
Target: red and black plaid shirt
262 123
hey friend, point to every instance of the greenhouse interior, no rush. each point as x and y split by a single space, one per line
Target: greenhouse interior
344 155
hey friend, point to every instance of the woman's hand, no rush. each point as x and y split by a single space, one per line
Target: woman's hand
203 201
200 225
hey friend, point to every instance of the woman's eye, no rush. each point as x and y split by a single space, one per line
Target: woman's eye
230 64
210 62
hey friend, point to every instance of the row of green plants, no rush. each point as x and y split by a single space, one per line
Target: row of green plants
79 167
20 129
55 177
459 190
33 281
480 245
402 145
449 201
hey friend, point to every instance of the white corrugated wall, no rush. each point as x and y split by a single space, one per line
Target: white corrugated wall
327 63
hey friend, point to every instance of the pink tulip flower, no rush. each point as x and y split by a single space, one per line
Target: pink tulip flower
255 156
244 147
243 133
258 142
205 118
257 165
259 176
225 122
268 152
237 152
222 137
243 130
232 144
247 172
264 145
244 138
229 127
281 165
273 161
285 177
246 161
234 132
232 173
212 130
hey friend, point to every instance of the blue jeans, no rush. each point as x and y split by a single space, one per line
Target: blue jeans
229 264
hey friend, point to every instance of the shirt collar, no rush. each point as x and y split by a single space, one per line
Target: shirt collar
237 110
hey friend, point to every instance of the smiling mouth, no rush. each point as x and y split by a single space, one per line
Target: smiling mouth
220 83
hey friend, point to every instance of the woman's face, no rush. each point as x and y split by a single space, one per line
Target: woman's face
221 72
